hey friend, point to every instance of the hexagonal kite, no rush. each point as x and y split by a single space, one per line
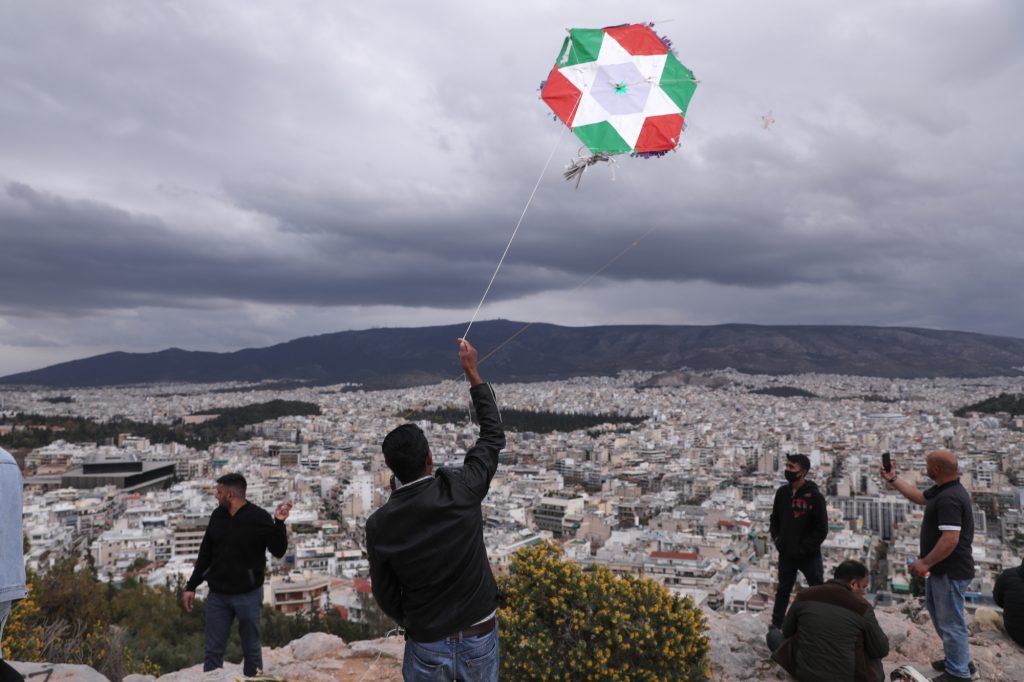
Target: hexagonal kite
621 89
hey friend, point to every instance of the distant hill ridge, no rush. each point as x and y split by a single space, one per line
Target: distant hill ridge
394 357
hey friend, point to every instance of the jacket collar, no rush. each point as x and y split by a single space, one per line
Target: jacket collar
406 488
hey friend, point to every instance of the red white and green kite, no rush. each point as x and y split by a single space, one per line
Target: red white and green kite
621 89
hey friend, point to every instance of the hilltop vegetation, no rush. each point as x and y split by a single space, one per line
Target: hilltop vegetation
784 392
71 617
560 622
526 420
38 430
1011 403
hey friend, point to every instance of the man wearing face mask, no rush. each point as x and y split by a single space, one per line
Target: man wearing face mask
799 524
833 633
947 536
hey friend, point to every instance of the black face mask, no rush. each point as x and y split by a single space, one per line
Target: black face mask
792 476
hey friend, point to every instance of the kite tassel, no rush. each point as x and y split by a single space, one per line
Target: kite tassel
577 168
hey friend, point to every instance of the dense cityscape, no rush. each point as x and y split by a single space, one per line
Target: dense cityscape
681 492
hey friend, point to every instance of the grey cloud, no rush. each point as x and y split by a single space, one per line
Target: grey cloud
197 159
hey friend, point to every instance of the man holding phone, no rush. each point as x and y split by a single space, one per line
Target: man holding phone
947 534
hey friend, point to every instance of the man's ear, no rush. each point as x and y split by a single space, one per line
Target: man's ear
428 465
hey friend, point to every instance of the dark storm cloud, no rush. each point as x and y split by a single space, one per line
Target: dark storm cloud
199 167
110 258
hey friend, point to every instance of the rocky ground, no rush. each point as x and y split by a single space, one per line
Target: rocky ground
738 654
317 657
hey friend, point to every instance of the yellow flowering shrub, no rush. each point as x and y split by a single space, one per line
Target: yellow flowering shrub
559 622
24 636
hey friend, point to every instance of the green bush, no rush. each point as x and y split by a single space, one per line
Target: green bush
559 622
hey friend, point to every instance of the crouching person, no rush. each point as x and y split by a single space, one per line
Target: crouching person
832 633
1009 594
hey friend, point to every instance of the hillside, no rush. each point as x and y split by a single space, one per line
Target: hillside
381 358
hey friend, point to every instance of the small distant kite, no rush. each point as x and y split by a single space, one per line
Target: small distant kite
767 120
622 90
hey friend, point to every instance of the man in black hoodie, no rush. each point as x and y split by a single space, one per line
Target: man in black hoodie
1009 594
232 558
799 524
428 564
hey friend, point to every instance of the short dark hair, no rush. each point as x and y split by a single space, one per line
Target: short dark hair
405 452
850 569
234 481
803 461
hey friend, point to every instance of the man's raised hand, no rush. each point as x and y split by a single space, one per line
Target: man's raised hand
467 358
281 513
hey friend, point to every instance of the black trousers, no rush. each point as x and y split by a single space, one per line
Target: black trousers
814 574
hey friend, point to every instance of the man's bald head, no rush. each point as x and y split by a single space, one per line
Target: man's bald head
941 465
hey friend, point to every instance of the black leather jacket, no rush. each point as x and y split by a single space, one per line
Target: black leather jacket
428 564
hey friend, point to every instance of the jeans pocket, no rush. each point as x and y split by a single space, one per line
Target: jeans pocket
423 665
482 661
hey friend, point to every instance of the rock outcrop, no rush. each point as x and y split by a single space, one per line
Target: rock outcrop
316 657
738 653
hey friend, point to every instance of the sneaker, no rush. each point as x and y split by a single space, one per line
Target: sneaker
940 665
946 677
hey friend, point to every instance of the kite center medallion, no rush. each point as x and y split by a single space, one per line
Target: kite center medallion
621 89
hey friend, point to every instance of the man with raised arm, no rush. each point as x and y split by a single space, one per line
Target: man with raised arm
232 559
428 565
947 534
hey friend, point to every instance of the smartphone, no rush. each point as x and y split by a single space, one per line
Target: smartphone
886 461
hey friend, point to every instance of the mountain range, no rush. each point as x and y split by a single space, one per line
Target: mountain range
516 351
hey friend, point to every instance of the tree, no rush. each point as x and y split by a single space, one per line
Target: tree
562 623
66 618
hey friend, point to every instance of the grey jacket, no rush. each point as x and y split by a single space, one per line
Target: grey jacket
12 555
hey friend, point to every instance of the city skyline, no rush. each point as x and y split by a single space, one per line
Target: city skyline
221 177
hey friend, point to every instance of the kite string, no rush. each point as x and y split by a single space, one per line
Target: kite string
585 282
632 245
522 215
536 185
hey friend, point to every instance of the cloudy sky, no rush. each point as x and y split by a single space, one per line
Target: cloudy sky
218 175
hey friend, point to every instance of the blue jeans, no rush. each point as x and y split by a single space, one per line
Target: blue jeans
944 598
814 574
469 659
221 610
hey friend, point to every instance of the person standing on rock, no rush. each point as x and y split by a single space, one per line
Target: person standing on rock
798 526
12 548
947 534
232 558
428 565
833 633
